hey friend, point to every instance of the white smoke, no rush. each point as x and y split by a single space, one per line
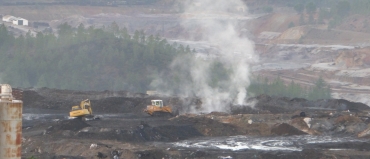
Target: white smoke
218 21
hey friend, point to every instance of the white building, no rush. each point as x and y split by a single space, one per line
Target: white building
15 20
20 21
8 18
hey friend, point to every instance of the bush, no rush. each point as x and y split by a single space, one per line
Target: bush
294 90
268 9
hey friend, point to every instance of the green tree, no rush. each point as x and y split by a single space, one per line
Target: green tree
278 88
114 27
301 20
102 60
218 74
311 20
310 8
268 9
299 8
343 8
320 91
65 29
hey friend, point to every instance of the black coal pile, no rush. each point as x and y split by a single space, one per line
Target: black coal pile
72 125
276 105
101 102
285 130
208 127
142 133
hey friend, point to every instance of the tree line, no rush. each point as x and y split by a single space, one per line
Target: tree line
331 12
79 2
277 87
85 58
88 58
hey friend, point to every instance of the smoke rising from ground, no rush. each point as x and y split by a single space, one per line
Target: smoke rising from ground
218 81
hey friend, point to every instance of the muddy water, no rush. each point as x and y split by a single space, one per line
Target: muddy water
280 143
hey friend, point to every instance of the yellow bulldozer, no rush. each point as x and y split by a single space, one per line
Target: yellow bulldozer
82 111
157 109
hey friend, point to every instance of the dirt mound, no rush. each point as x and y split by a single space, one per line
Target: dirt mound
365 133
277 105
339 105
347 119
68 157
141 133
294 33
120 105
53 156
175 133
167 133
31 96
150 154
207 126
101 102
77 95
299 123
247 110
73 125
33 99
103 130
286 129
219 113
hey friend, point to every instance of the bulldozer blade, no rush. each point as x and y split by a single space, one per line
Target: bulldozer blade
162 114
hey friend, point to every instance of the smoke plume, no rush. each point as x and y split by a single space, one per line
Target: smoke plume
219 77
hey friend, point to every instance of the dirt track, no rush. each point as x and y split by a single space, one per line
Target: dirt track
124 129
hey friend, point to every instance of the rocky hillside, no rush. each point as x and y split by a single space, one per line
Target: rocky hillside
359 58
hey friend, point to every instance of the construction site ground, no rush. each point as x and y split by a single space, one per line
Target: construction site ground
276 127
273 128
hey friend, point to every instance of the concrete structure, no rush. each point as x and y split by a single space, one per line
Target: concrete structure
20 21
8 18
151 93
10 124
241 9
15 20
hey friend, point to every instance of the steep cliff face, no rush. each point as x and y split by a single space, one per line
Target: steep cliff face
359 58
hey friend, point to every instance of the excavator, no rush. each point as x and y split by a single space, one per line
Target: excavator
157 109
82 111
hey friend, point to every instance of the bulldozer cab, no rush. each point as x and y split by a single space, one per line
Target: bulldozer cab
76 108
158 109
85 104
158 103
